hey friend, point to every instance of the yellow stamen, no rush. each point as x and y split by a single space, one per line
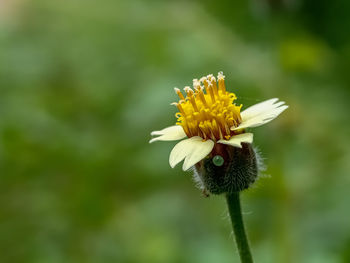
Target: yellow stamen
178 105
188 91
221 80
178 92
201 96
209 114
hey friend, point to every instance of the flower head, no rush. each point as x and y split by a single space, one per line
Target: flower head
208 116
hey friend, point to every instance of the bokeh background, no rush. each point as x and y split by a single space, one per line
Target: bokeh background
82 85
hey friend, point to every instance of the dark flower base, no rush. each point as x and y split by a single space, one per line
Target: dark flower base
238 172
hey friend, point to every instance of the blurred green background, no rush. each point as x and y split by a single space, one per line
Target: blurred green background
82 85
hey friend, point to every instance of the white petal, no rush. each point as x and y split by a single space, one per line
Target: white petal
254 110
171 133
166 130
199 149
261 113
236 140
192 150
180 151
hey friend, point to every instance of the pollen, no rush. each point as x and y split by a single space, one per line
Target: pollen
208 110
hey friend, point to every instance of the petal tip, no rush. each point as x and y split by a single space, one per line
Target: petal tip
185 167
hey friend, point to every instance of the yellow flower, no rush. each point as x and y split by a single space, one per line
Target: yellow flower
207 116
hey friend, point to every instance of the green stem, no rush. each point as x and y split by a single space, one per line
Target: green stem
234 208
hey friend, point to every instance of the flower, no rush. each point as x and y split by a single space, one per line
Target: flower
208 116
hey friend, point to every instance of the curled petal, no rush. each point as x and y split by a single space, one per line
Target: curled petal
261 113
171 133
199 150
236 140
192 150
180 151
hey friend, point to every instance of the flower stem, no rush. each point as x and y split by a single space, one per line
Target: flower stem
234 207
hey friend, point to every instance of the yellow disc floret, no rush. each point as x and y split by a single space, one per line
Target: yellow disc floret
208 114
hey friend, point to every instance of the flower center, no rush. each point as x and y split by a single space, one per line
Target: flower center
208 114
